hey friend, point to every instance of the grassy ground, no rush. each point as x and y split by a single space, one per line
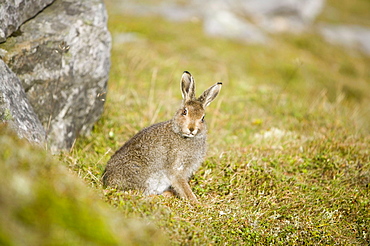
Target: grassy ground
43 203
288 159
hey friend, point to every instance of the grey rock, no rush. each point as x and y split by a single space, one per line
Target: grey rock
226 24
280 15
168 9
350 36
126 37
175 12
15 108
62 58
14 12
243 20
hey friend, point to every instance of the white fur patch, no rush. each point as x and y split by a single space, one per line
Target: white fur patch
157 183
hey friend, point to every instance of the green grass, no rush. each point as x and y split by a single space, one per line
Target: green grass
288 160
43 203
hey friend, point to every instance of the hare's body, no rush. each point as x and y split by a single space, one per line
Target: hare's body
154 169
166 154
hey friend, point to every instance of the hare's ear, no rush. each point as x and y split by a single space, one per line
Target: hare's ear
187 86
210 94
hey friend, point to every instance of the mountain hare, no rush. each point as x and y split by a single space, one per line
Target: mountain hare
165 155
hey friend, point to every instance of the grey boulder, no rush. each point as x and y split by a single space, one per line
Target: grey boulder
62 57
14 12
15 108
350 36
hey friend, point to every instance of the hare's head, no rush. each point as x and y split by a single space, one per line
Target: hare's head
189 119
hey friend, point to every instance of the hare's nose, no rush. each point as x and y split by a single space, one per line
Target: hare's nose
191 129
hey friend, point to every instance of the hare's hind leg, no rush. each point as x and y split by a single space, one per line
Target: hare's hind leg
183 189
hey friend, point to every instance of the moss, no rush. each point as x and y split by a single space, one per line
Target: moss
42 203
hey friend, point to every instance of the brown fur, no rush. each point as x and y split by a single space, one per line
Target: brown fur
166 154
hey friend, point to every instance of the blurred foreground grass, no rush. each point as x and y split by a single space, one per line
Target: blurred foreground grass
43 203
288 159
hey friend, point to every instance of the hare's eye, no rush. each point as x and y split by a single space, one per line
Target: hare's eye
202 118
184 112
